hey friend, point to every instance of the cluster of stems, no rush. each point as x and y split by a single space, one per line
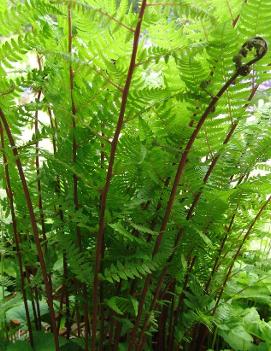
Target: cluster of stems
97 328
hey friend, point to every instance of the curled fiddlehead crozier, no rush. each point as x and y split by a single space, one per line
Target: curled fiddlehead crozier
256 45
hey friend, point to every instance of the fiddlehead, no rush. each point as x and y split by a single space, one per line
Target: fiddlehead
256 44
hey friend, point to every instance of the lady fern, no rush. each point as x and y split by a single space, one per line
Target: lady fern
133 199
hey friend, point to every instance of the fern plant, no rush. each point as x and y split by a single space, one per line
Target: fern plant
134 172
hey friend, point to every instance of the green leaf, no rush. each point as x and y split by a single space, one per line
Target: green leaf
18 312
112 303
143 229
239 339
135 305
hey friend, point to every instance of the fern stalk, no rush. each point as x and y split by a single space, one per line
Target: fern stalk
199 329
204 332
100 234
217 157
37 163
47 282
54 127
102 309
36 293
179 173
196 200
33 302
73 112
173 193
17 239
238 251
74 160
198 195
236 19
218 255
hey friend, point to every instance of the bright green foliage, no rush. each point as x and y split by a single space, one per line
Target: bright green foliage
207 287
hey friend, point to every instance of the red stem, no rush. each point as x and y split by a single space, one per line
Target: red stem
172 196
61 215
33 302
204 334
37 162
54 129
183 159
218 255
16 235
207 175
47 282
74 160
38 307
74 112
216 158
100 234
236 255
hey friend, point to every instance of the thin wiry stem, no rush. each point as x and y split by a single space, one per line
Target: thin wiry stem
179 173
114 19
204 334
102 309
34 302
218 155
37 163
100 234
16 235
238 251
74 112
74 160
171 200
59 211
219 253
33 221
197 198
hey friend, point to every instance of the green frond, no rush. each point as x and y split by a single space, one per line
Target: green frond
128 270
